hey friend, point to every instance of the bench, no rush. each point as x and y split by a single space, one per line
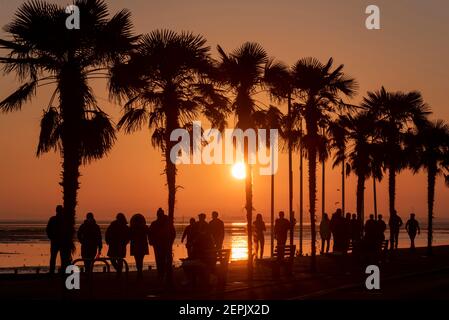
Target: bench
104 260
283 257
197 269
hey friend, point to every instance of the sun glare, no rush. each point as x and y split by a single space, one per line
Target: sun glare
238 171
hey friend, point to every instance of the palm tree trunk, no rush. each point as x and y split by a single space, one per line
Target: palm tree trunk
323 188
375 197
343 186
301 200
361 197
290 171
72 112
431 176
272 216
249 210
312 205
392 188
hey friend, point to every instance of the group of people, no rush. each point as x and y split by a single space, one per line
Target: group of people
349 230
160 235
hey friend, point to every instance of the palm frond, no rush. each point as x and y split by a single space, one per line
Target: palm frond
50 131
15 100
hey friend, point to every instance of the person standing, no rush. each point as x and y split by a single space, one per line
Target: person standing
162 234
412 227
325 233
258 233
395 224
281 228
381 226
216 227
54 233
188 236
117 238
89 235
356 230
139 234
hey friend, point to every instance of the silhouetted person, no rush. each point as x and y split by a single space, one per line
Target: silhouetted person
370 238
55 234
325 233
188 236
281 228
395 224
117 238
381 227
412 227
162 234
258 234
356 230
347 235
89 235
338 230
138 231
217 230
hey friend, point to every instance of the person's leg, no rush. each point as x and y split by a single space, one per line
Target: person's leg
396 235
262 245
53 254
66 257
139 264
322 245
328 243
160 260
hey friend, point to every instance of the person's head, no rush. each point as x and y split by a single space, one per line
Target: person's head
259 217
192 221
380 217
281 214
371 216
160 213
394 213
89 216
137 220
214 214
348 216
354 216
59 210
202 217
325 216
121 218
338 212
412 216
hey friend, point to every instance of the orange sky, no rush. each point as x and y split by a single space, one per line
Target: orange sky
410 52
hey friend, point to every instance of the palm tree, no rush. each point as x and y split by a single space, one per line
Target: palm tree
272 118
43 52
319 89
338 139
428 147
243 72
396 112
364 150
166 81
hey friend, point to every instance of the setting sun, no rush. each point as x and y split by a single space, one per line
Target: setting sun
238 171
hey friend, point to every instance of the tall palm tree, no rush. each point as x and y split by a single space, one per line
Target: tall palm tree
41 51
318 90
167 86
272 118
338 140
396 112
243 72
428 149
364 150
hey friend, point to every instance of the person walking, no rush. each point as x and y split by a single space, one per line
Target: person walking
54 233
117 238
325 233
89 235
395 224
162 235
138 234
188 236
216 227
412 227
259 237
